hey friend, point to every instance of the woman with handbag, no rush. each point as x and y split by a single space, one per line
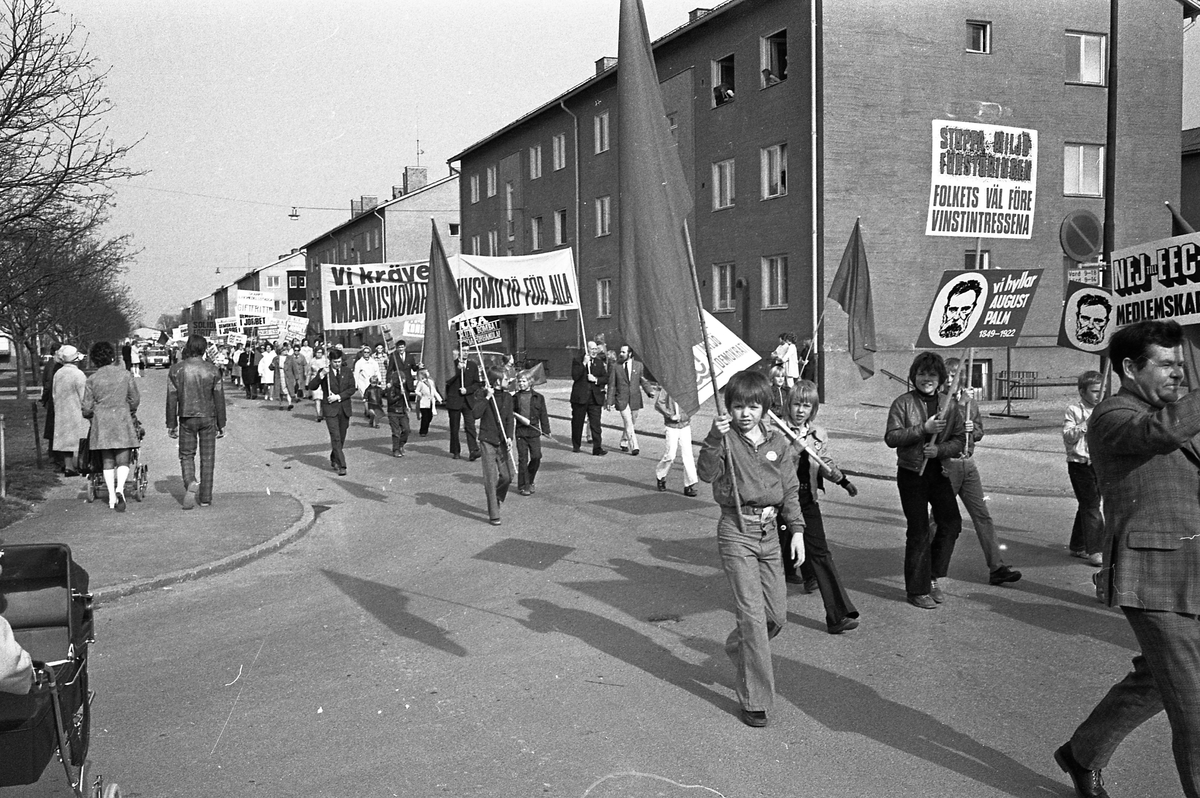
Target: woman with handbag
110 399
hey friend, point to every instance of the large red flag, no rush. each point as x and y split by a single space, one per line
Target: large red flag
1179 225
851 288
442 303
656 306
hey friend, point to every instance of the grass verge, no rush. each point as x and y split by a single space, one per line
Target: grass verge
26 483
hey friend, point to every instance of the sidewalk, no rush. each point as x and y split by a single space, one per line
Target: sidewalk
154 543
1022 456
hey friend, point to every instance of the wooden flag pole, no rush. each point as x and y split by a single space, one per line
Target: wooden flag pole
786 430
712 373
512 458
812 342
941 413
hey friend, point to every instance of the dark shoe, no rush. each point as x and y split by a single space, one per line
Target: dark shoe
455 456
793 579
341 472
120 506
599 452
1003 574
475 456
811 585
844 625
936 593
189 495
689 490
755 719
1088 783
1079 553
636 452
662 485
397 454
575 449
205 504
290 407
532 489
495 522
524 491
400 452
923 601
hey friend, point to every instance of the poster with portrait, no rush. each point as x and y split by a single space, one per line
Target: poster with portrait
979 308
1086 319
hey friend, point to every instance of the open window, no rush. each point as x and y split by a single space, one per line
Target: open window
774 58
722 80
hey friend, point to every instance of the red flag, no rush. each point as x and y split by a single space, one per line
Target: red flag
851 288
656 309
1179 225
536 375
442 303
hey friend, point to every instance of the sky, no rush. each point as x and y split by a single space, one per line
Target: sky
242 109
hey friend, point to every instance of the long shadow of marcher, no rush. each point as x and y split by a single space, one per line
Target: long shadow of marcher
645 591
844 705
389 606
451 505
623 643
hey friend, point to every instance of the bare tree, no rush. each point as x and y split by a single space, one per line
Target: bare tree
54 146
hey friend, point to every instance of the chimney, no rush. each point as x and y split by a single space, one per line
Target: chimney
355 208
696 13
415 177
604 64
369 202
397 192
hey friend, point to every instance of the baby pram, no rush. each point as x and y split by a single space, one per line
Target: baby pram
43 596
135 486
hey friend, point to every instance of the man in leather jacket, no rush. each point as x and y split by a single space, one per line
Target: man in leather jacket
196 415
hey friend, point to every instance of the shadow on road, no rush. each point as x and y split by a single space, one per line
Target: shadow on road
389 606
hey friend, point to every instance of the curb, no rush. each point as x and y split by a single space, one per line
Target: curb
293 533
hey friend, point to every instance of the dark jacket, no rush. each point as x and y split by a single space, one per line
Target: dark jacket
906 431
490 430
467 378
195 390
342 384
583 391
539 419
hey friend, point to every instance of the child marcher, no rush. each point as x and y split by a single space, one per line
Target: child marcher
373 396
765 464
495 437
818 568
925 431
427 399
397 411
532 422
787 357
1087 533
678 434
963 473
779 391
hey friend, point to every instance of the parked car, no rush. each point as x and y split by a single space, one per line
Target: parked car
157 357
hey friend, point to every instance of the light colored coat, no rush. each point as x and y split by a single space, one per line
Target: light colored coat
69 424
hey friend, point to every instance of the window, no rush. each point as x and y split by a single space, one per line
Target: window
774 281
722 184
560 315
722 80
535 233
603 297
538 315
297 307
560 227
493 242
474 188
774 171
1083 170
600 129
722 297
535 162
453 228
1085 58
774 58
292 281
301 280
984 261
273 281
603 215
278 305
491 181
475 250
559 155
511 224
979 36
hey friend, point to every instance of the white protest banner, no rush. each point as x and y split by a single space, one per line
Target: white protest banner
983 182
253 303
295 326
180 333
235 339
394 293
515 285
227 324
248 322
1158 280
269 332
730 355
478 331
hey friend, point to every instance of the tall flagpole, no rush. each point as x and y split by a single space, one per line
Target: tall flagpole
712 374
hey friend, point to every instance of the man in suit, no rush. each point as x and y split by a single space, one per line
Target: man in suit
402 369
625 385
1146 453
459 397
338 384
590 376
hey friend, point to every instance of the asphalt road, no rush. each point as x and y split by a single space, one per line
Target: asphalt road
404 647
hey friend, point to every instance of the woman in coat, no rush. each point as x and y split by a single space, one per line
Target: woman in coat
110 399
70 426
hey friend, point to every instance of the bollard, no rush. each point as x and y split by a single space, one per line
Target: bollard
37 441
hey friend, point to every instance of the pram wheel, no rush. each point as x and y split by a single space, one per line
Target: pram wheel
91 490
139 492
111 791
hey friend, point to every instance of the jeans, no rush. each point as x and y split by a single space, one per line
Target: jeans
399 425
200 430
678 440
752 564
529 459
497 476
965 481
818 561
1166 675
1087 533
927 555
